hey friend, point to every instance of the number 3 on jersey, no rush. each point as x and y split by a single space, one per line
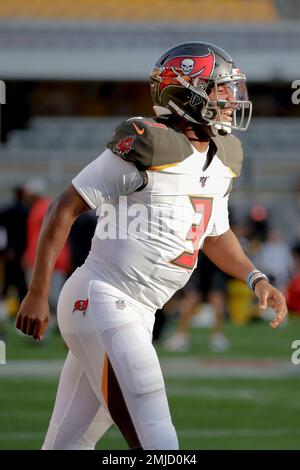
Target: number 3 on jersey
202 206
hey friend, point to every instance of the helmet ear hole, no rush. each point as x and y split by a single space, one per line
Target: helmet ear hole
209 114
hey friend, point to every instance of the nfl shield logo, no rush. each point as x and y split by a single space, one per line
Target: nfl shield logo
203 180
120 304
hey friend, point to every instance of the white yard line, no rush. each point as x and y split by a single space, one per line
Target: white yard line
177 367
192 433
20 436
213 393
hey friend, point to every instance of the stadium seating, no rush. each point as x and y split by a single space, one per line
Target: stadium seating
142 10
59 147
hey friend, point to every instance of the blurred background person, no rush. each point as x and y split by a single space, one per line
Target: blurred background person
207 284
13 221
293 287
38 203
275 259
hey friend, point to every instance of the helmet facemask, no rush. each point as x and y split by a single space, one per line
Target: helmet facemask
236 105
207 103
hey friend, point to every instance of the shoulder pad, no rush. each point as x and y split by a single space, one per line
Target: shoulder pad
229 151
149 144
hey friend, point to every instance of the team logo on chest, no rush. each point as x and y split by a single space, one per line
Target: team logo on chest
203 180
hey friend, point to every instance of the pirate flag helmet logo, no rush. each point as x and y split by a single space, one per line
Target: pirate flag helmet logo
188 67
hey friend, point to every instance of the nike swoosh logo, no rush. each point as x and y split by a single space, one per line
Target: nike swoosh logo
139 131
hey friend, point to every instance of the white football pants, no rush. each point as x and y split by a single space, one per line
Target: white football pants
111 373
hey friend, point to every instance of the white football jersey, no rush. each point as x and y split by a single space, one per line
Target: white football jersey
146 241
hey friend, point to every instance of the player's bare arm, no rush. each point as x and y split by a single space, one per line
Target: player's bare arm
33 315
226 252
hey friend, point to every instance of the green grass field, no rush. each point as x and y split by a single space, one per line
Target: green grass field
209 413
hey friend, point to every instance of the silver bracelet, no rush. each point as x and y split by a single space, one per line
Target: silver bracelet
254 277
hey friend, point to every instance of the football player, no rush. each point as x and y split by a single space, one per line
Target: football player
173 172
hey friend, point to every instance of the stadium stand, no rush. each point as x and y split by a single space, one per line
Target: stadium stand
143 10
271 148
288 9
119 50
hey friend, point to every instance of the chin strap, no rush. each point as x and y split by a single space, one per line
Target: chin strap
217 129
221 129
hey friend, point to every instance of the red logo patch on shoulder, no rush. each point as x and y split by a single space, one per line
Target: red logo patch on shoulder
124 145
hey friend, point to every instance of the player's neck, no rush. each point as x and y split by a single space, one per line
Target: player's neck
199 136
200 142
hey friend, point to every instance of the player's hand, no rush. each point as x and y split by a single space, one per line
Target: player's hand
269 296
33 316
